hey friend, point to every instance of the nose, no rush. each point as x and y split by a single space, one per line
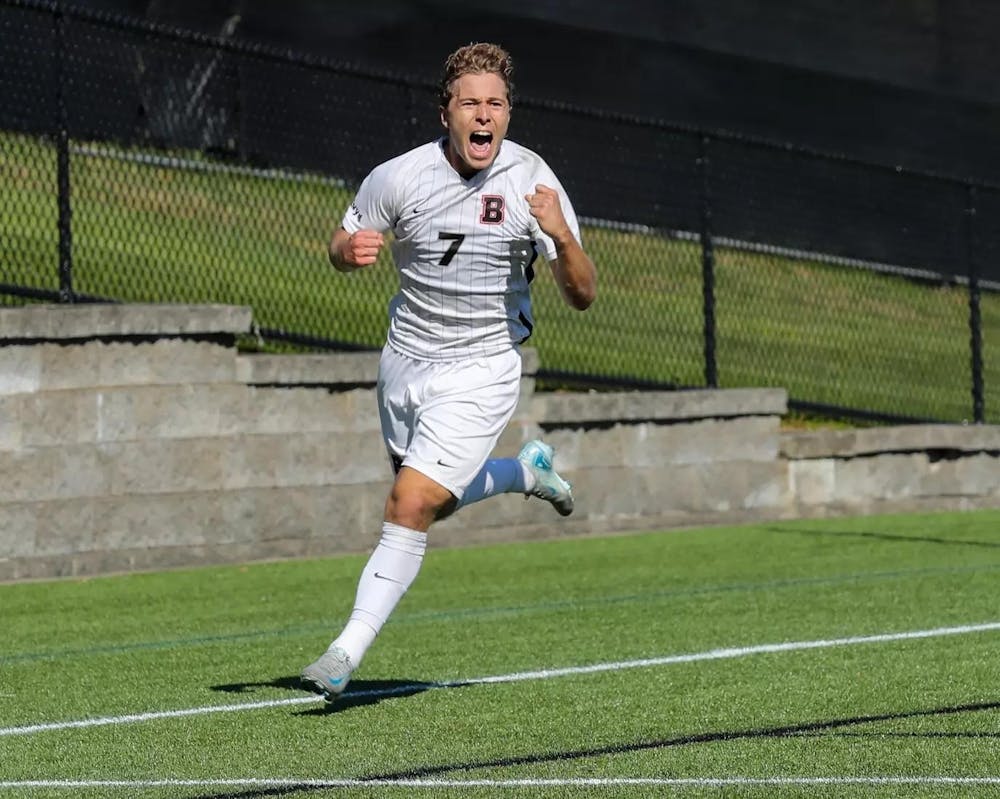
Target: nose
483 112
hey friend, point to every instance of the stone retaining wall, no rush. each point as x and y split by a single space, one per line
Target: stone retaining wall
137 437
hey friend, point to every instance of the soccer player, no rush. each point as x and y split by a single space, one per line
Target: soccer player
469 213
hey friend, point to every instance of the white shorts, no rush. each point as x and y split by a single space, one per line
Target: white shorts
443 418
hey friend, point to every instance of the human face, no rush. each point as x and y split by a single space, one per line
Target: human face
476 118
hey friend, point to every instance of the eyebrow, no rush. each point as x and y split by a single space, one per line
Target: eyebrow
462 99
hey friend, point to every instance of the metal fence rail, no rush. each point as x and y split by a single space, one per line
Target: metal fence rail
142 163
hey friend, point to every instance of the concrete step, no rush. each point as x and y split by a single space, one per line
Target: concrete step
83 321
193 464
29 368
648 444
147 531
53 418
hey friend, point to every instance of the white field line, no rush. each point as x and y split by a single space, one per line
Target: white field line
672 782
543 674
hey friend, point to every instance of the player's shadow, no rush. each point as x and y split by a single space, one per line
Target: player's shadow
809 728
358 694
835 726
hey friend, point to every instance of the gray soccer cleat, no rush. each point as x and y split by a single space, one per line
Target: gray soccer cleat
330 674
537 456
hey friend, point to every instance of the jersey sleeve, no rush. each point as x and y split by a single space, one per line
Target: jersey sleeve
375 206
546 246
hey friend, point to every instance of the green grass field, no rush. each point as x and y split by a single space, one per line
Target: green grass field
839 658
153 231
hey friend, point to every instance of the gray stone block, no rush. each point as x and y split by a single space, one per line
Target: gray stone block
53 418
12 423
299 410
92 320
188 518
353 515
193 410
975 475
166 465
21 369
65 526
88 415
651 444
41 367
608 492
348 517
896 477
332 369
52 473
305 459
569 409
906 438
18 530
165 362
889 477
688 489
298 512
812 482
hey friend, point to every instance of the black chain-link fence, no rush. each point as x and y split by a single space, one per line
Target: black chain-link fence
140 163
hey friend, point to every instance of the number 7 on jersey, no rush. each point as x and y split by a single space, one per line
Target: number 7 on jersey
456 242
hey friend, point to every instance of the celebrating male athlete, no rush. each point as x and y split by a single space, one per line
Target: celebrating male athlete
469 213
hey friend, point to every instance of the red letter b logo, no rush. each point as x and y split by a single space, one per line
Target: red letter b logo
492 209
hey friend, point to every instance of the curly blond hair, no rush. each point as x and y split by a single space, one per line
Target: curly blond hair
474 59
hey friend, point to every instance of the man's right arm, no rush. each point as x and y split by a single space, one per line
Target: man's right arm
350 251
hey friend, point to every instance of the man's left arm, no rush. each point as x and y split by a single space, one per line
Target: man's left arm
573 269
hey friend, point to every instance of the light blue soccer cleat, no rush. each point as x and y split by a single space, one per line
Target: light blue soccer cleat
537 456
330 674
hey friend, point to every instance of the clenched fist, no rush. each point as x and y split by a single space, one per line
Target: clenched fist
362 247
544 206
354 250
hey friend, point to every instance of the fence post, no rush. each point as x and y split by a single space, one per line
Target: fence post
975 318
707 267
62 163
416 112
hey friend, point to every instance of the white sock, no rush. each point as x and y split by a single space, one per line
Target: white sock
499 476
390 571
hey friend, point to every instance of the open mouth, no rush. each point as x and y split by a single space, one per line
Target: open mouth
479 143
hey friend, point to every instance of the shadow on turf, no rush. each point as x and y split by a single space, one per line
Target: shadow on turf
814 728
902 539
791 730
360 692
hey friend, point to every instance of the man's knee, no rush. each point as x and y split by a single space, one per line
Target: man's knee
416 501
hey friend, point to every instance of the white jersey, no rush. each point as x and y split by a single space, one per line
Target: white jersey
464 249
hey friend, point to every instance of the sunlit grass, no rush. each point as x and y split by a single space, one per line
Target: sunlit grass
842 648
148 230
